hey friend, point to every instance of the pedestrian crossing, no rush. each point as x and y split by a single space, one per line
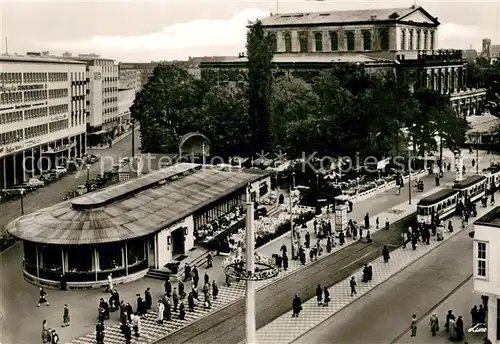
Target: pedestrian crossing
286 329
151 331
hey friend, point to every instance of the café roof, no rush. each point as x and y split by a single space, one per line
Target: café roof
132 209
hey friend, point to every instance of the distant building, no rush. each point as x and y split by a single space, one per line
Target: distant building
129 79
42 114
193 63
470 55
145 70
125 100
399 39
487 268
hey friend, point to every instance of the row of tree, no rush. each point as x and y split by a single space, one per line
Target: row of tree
343 111
484 73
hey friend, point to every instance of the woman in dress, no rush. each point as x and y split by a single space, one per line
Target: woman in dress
434 324
45 332
452 328
66 319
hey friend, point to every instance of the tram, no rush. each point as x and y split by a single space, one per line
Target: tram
492 175
438 205
471 189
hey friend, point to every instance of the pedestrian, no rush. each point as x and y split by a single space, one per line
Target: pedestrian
367 221
148 299
55 337
434 324
328 245
352 284
285 261
168 287
283 249
319 295
481 315
42 298
307 238
413 325
175 297
66 319
386 224
206 278
99 333
159 314
311 254
110 283
182 292
45 332
191 303
127 333
140 305
196 276
385 254
296 306
326 297
210 260
167 312
376 222
215 290
187 273
368 237
460 328
437 180
182 311
492 199
449 317
136 324
64 283
452 330
341 238
473 313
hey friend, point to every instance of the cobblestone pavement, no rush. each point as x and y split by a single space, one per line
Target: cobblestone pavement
286 329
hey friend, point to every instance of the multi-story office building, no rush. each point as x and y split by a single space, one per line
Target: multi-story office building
42 114
399 39
125 101
487 268
103 120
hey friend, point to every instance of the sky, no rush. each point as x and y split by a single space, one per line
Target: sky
142 31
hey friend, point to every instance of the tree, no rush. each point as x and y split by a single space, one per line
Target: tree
292 101
492 85
167 107
259 54
226 121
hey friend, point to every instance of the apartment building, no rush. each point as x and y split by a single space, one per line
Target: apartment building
145 70
42 114
487 268
129 79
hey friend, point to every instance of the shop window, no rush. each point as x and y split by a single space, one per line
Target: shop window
110 256
135 251
80 258
384 40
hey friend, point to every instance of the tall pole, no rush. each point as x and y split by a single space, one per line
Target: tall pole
409 175
477 153
133 138
251 332
22 202
292 234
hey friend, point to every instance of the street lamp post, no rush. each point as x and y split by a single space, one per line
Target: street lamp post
477 153
292 232
409 175
251 332
293 180
133 137
88 172
22 201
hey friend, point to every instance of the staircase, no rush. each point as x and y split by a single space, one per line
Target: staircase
198 261
160 274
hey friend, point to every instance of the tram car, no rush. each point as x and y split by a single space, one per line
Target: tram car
471 189
440 204
492 175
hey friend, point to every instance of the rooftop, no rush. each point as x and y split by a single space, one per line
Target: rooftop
356 16
312 58
486 123
438 196
492 218
468 182
39 59
132 209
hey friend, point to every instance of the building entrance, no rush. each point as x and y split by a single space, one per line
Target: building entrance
178 241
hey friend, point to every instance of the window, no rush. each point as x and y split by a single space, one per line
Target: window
288 43
410 40
426 42
419 39
432 40
384 39
481 260
403 39
318 37
274 43
350 41
334 40
367 40
303 42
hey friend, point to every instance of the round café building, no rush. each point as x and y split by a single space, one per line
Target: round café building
129 228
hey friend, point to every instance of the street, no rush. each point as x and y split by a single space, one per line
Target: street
54 193
383 314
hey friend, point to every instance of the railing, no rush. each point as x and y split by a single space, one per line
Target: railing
139 266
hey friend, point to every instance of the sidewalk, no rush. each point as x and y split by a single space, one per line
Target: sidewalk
461 302
115 140
286 329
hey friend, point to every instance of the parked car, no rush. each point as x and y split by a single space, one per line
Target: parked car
60 170
81 190
35 182
48 177
24 187
124 160
92 159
